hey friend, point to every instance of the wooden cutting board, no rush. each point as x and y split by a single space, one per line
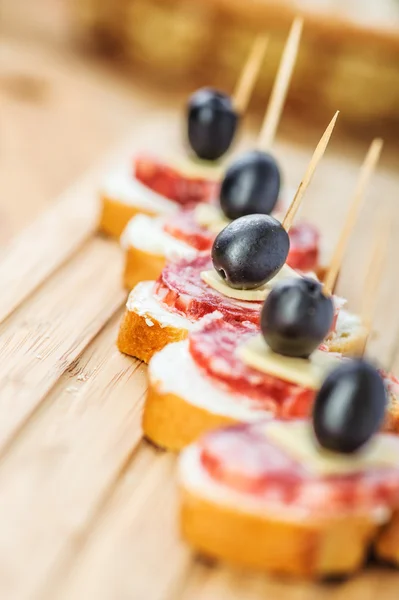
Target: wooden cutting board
88 510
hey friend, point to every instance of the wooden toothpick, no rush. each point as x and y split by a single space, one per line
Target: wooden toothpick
280 87
314 161
246 81
366 171
375 270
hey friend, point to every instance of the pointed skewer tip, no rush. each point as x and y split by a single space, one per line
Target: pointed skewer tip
307 178
249 73
366 170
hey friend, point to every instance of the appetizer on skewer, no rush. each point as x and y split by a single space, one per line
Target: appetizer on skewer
298 498
228 373
233 375
158 187
350 333
251 185
164 311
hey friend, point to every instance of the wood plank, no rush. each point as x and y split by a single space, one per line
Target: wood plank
55 235
67 440
69 92
46 244
209 583
66 462
60 115
137 536
135 539
39 342
86 509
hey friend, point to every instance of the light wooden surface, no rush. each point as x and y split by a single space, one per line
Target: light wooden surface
87 508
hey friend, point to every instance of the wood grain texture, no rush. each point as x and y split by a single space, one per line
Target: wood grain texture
65 463
135 539
38 343
27 261
88 509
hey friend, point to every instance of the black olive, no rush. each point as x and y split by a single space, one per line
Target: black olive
251 185
296 317
349 407
250 251
212 123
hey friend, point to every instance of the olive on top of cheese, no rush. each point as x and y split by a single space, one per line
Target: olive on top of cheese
251 185
349 407
296 317
250 251
211 123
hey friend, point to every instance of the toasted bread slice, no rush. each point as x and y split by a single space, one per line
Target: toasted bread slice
115 215
221 524
123 197
387 545
141 266
183 403
148 247
391 423
350 336
172 423
147 326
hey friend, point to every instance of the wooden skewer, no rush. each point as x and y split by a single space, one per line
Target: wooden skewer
377 262
314 161
280 87
246 82
366 171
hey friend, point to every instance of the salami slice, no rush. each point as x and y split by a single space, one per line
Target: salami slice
243 459
183 226
391 381
213 348
304 247
304 239
172 184
181 288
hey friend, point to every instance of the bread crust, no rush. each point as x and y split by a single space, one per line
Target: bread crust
387 545
141 266
115 215
351 345
138 339
391 422
307 548
172 423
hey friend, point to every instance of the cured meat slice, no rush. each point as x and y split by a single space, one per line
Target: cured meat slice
184 226
304 247
213 348
304 239
169 182
181 288
245 460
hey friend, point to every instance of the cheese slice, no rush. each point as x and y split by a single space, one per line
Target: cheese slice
297 439
201 169
211 217
306 372
213 279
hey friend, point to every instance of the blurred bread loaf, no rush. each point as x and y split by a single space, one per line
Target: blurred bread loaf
349 57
